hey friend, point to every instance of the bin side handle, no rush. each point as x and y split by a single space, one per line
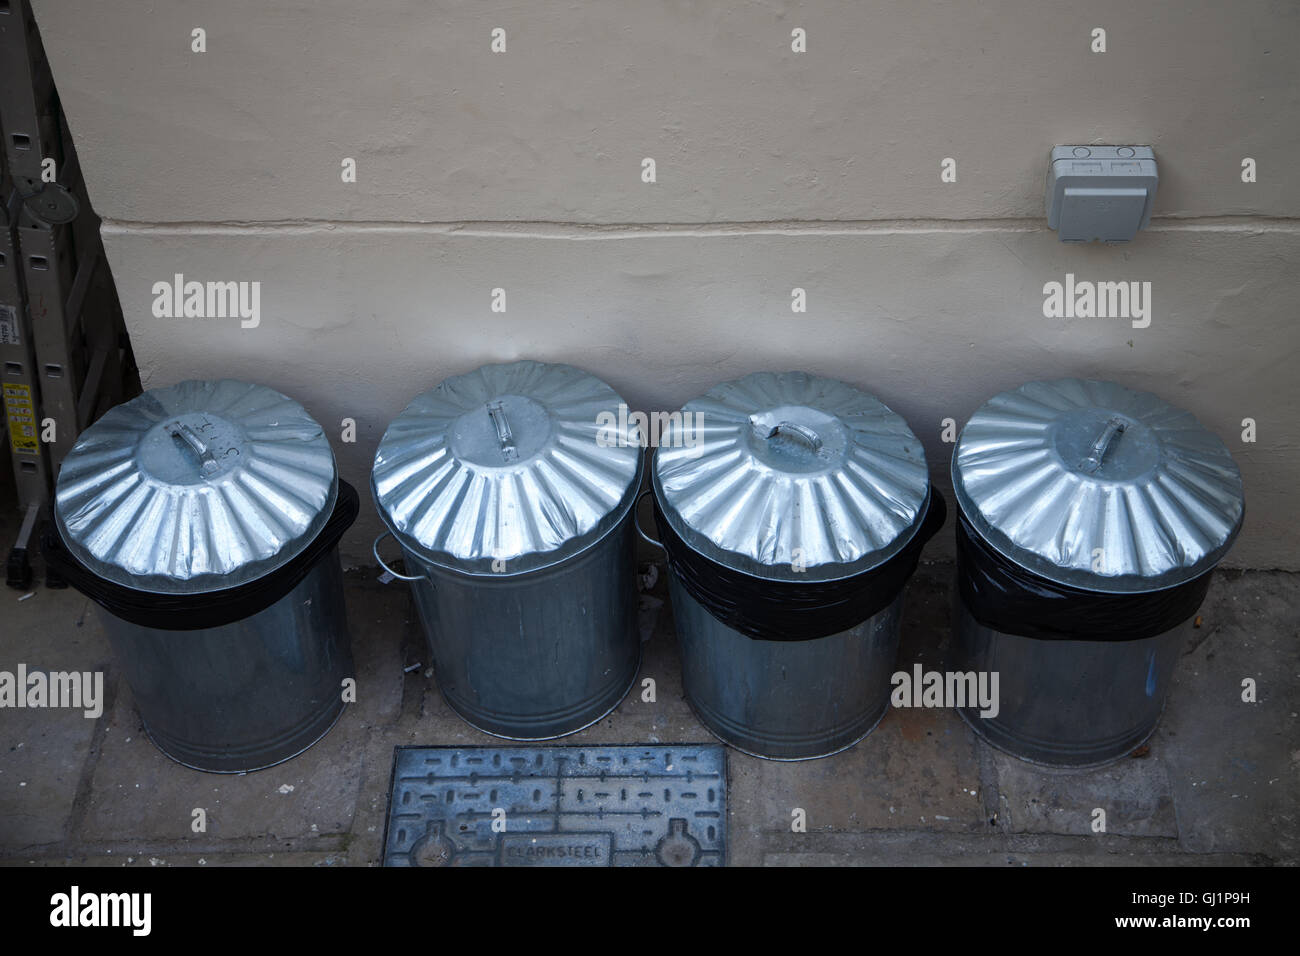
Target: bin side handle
636 519
374 549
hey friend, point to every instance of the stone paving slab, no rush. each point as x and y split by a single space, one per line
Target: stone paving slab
1235 766
995 847
1134 793
39 775
138 794
217 859
916 770
43 751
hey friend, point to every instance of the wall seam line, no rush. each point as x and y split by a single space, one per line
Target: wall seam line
588 231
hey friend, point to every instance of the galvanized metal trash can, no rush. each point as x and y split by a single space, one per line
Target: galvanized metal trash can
510 490
1091 518
792 510
204 520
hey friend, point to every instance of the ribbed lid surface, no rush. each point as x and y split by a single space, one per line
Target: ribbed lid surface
523 463
1097 486
196 487
790 476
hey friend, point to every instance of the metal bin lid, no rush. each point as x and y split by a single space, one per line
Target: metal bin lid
197 487
1096 486
509 468
791 477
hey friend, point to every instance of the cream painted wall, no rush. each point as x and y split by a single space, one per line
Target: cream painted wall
819 170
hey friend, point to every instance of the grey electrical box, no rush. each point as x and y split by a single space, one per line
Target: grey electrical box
1100 192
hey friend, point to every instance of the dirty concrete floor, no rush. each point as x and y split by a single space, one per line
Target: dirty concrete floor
1217 786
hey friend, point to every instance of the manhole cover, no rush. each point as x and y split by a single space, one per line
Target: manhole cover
558 806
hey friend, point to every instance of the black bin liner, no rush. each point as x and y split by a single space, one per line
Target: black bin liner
767 610
1005 597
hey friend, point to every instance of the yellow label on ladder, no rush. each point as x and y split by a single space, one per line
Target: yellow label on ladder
22 419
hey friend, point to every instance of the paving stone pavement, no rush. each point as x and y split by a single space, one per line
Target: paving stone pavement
1217 784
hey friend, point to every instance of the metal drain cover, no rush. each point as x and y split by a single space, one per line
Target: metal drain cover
558 806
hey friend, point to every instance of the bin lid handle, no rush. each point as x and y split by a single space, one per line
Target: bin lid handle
801 433
1097 453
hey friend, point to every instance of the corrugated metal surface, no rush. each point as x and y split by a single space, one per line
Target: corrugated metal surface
778 471
1094 485
516 463
199 486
